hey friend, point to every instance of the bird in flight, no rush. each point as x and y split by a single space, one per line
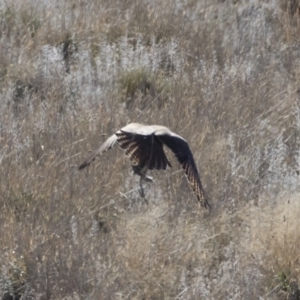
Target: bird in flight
144 146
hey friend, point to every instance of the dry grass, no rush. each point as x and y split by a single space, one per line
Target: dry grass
223 75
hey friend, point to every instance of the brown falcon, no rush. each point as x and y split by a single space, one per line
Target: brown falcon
144 146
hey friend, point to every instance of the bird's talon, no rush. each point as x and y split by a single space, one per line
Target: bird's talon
148 179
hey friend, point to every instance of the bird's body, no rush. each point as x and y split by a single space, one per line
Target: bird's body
144 146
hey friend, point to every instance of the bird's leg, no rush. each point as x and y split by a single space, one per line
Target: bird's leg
142 173
141 189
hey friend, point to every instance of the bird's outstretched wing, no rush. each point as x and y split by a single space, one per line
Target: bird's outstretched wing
108 144
185 157
143 150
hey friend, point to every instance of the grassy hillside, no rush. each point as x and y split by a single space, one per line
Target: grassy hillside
224 75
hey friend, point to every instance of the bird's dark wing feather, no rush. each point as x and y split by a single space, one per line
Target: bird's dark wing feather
131 144
158 159
143 150
185 157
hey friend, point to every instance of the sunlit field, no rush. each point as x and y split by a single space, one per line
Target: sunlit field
225 75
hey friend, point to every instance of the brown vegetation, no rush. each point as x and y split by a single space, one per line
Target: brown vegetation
224 75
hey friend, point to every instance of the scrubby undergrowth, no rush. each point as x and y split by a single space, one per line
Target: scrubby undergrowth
224 75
